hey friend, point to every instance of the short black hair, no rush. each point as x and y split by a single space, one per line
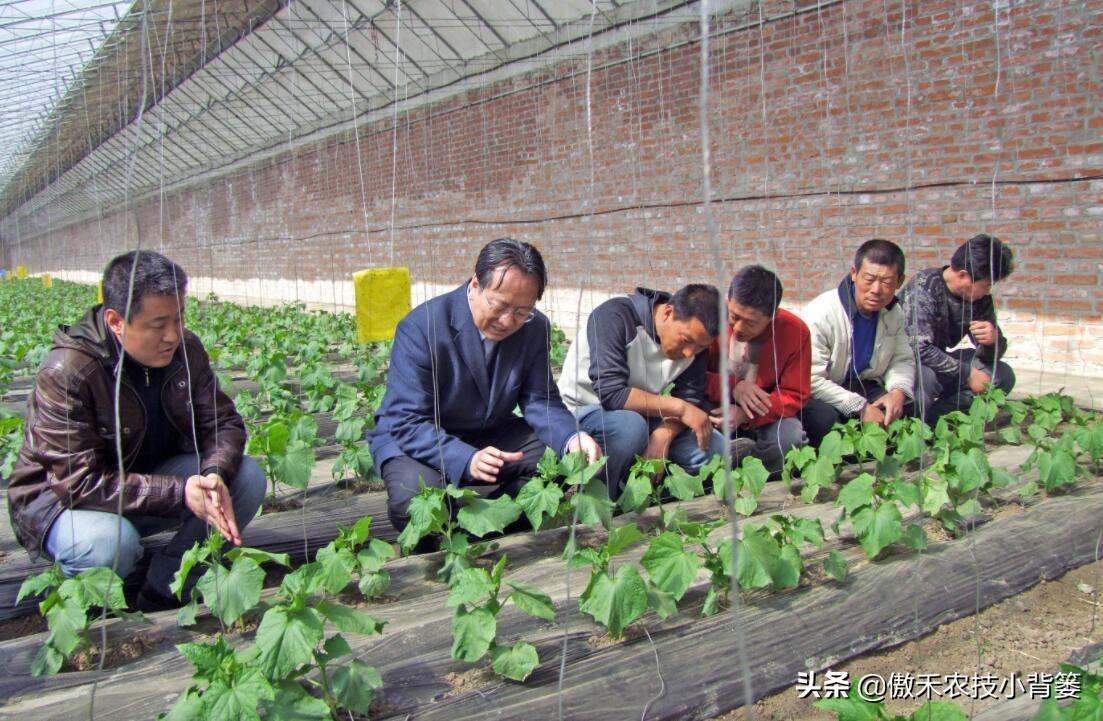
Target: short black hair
880 252
154 274
984 257
699 301
756 287
506 253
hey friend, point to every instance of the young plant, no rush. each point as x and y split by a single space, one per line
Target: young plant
285 446
589 502
640 491
1056 460
11 441
852 707
476 596
292 643
431 514
617 600
817 470
747 483
909 437
346 557
66 607
355 455
868 441
227 592
768 555
871 506
1087 702
541 496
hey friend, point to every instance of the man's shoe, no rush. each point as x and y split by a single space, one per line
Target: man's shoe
740 448
150 600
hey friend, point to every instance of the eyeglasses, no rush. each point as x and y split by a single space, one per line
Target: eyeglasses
500 310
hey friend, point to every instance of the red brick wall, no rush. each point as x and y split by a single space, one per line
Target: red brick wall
828 127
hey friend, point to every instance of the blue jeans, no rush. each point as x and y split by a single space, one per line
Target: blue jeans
624 434
81 539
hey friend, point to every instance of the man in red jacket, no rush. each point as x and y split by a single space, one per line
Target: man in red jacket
769 367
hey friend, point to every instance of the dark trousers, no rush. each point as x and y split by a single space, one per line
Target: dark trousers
403 475
939 393
818 417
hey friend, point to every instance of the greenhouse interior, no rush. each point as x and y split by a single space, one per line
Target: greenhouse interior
510 359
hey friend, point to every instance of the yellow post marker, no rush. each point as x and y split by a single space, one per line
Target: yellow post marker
99 291
382 299
21 272
47 281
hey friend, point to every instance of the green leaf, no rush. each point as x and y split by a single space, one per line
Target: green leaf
480 516
229 594
661 602
337 567
616 602
877 528
206 657
682 485
905 492
746 505
831 447
67 620
622 537
1056 468
915 537
856 494
374 555
935 495
539 500
239 700
547 468
532 600
789 567
1012 435
188 612
757 558
1028 490
294 467
835 566
293 703
374 583
336 647
471 586
258 555
754 475
348 619
354 685
47 661
972 469
40 583
939 711
101 586
1090 440
515 662
851 708
472 633
819 474
670 566
593 505
286 639
1001 478
637 492
187 708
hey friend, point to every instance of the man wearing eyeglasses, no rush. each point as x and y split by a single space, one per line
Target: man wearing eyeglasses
460 365
862 363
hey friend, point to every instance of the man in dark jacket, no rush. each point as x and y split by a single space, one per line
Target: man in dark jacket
941 307
179 437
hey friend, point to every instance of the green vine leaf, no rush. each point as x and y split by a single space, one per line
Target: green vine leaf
877 528
539 500
671 568
472 633
616 602
286 639
355 684
514 662
480 516
532 600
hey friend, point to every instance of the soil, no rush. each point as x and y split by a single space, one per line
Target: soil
119 652
472 679
1032 632
22 626
599 641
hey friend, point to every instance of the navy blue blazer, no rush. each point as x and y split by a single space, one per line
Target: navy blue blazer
440 393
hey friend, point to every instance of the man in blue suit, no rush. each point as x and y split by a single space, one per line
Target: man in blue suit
460 364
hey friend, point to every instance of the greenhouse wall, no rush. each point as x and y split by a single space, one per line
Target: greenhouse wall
829 126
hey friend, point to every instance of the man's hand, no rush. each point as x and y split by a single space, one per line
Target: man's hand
753 400
984 332
738 418
209 499
978 379
873 413
486 463
892 405
585 443
697 421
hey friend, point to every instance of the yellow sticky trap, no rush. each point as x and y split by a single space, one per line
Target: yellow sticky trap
21 272
99 291
47 281
382 299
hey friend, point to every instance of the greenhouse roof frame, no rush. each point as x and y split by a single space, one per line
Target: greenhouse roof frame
218 87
